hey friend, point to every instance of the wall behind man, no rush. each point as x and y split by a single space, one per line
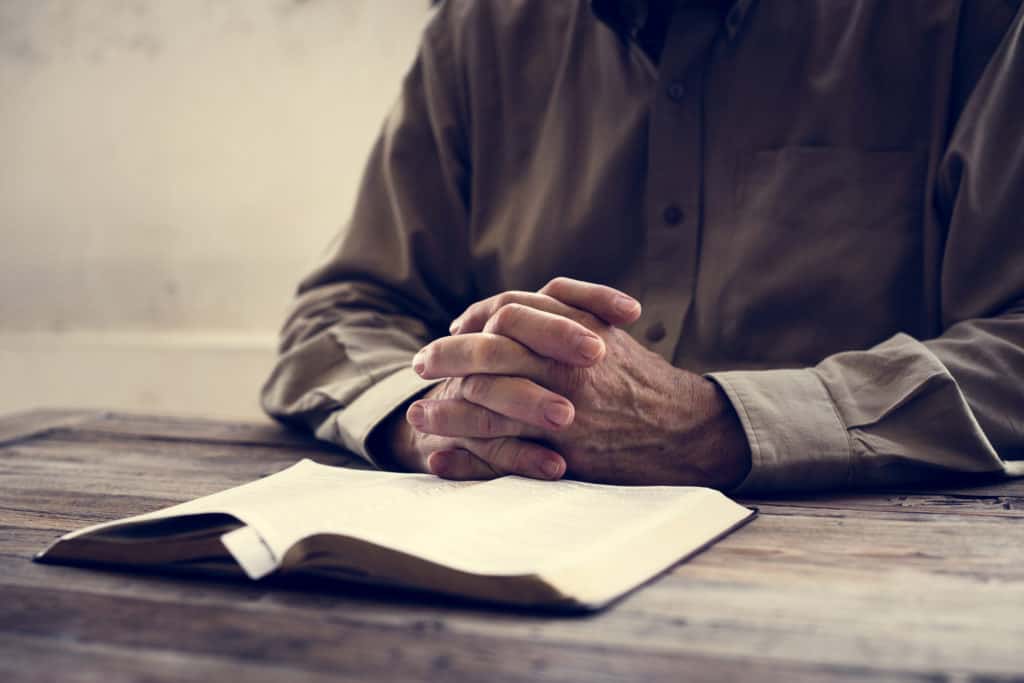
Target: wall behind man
168 172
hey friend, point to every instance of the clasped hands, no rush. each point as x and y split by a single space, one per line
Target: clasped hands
546 384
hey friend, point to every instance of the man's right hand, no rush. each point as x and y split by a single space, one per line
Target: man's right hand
507 444
414 451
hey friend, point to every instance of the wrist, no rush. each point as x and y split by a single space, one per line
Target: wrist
721 440
393 443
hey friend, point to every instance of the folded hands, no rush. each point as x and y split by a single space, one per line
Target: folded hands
546 384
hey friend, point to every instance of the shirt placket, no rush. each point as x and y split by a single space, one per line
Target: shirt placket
673 203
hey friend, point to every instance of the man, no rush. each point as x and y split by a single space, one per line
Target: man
806 219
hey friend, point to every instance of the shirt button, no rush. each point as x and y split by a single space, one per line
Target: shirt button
676 91
672 215
655 332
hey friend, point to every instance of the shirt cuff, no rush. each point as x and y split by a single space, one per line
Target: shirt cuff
353 425
797 441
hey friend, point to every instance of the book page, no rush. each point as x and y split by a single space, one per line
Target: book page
506 526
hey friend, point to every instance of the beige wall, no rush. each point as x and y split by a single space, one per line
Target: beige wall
168 170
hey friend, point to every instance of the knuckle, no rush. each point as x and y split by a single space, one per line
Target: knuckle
490 308
487 423
551 369
555 285
474 388
562 379
495 454
519 460
472 311
503 454
431 356
505 317
566 329
449 388
445 419
432 417
590 321
486 353
574 380
503 299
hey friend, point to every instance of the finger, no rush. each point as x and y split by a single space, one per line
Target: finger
479 354
458 463
546 334
607 303
525 402
456 417
459 451
476 316
518 456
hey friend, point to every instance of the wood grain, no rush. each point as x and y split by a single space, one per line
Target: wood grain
902 586
25 425
264 433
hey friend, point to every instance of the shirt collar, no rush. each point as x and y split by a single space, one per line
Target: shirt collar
628 16
624 16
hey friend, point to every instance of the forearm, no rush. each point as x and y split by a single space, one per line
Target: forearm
717 441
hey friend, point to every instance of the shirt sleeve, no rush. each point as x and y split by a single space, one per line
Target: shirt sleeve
907 408
385 288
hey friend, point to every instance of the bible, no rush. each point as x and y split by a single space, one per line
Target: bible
512 540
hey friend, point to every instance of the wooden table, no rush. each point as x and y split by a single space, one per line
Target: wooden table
895 586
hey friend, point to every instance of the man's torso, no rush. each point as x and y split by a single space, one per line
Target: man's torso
769 190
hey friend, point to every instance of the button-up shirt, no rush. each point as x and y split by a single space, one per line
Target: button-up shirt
820 206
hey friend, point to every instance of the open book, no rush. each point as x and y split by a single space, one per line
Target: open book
511 540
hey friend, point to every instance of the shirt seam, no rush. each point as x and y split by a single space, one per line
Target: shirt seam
757 452
753 427
842 425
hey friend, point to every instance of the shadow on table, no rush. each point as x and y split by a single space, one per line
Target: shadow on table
923 482
312 591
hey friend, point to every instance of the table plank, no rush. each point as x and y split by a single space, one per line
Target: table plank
391 644
20 426
92 662
1006 504
197 430
711 606
166 466
896 586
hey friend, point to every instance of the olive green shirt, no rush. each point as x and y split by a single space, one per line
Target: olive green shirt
820 205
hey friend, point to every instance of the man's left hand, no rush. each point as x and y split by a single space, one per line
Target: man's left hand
635 418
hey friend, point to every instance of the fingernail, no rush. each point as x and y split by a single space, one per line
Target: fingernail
418 364
589 347
626 304
415 414
454 327
551 467
558 414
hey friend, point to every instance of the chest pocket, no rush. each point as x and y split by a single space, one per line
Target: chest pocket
827 249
